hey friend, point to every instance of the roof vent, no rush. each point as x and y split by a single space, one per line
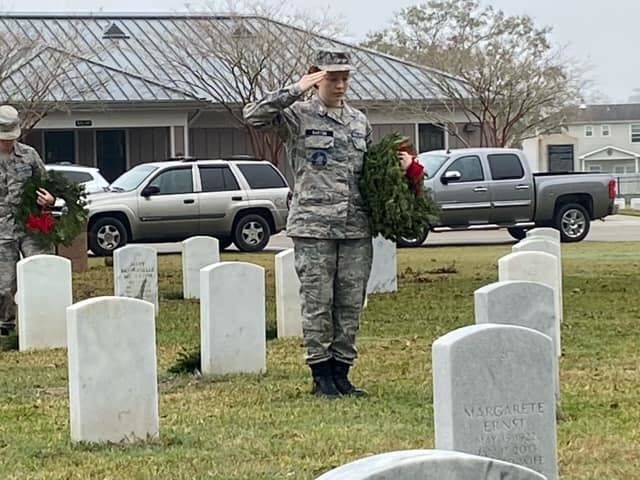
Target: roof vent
114 32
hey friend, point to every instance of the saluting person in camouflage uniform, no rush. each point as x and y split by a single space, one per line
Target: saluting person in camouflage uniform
18 163
326 143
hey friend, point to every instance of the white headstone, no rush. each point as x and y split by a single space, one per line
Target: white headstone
546 245
635 203
493 394
197 253
429 465
44 292
534 267
545 232
384 269
288 305
525 304
232 318
113 387
620 202
135 273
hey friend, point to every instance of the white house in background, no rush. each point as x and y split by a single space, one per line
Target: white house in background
602 138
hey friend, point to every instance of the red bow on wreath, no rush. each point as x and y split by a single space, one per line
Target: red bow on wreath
43 222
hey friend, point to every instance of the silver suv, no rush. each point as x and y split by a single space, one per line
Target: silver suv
237 200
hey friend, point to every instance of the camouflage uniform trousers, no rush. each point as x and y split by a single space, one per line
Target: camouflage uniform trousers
10 251
333 285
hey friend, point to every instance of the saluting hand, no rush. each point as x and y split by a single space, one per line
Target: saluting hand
310 79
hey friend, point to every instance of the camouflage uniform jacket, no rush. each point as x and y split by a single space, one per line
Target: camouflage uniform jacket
326 152
22 164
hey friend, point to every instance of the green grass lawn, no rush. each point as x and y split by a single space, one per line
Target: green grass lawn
268 427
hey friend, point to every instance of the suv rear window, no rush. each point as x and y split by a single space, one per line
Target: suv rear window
217 179
505 166
76 177
262 176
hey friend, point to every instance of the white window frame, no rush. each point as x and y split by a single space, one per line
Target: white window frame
594 168
617 167
603 129
637 125
588 130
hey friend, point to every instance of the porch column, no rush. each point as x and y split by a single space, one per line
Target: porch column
185 137
178 140
172 141
636 161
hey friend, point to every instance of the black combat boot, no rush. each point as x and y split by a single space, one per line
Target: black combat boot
341 380
323 385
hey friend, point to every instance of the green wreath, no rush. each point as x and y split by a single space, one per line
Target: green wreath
396 208
47 228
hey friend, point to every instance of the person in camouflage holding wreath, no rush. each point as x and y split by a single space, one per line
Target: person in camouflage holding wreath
326 141
18 163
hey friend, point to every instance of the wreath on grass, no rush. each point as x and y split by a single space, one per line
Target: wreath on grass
397 208
49 228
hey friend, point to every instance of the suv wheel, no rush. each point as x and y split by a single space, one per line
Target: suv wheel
573 222
106 235
252 233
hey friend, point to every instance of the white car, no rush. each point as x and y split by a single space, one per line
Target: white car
90 177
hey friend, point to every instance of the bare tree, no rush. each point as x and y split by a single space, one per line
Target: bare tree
510 82
41 74
236 58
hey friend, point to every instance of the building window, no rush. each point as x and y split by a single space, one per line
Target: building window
635 133
594 168
622 169
588 131
60 146
605 131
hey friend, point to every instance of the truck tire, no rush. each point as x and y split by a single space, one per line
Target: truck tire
413 242
252 233
106 235
517 232
573 222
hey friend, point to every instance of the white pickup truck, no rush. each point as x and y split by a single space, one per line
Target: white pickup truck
486 188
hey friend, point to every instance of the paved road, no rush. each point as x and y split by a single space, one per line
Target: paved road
615 228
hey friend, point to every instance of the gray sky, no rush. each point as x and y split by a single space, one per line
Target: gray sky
598 33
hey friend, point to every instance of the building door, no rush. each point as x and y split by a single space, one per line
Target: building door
560 158
60 147
111 153
431 137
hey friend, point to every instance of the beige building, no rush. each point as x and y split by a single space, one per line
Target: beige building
144 110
